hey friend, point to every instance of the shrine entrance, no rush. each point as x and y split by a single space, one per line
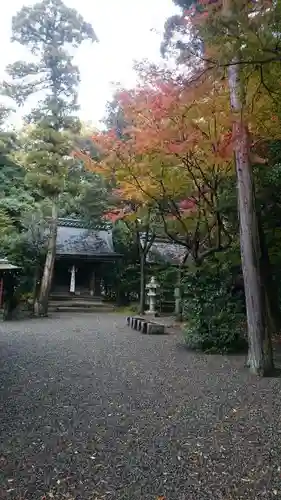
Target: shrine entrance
82 256
80 278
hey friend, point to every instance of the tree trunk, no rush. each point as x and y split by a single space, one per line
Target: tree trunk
46 282
270 288
260 356
178 297
35 290
142 283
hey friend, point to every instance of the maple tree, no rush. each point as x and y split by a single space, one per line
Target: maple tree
242 40
179 146
176 153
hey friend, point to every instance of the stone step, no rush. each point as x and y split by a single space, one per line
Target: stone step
78 303
79 309
77 298
73 305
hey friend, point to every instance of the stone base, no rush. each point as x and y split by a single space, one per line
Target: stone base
155 328
149 314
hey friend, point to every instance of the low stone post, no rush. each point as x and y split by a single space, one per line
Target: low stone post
177 295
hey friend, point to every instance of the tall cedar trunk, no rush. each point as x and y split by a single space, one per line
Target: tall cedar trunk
35 289
259 358
271 294
142 282
46 282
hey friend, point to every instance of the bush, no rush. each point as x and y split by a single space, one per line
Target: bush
214 309
167 277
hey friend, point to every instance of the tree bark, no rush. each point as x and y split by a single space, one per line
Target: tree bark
271 293
36 279
143 249
260 355
142 283
43 300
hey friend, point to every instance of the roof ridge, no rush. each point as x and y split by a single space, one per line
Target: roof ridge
80 223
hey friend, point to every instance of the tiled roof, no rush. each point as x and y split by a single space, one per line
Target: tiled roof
70 222
84 242
166 251
6 266
75 238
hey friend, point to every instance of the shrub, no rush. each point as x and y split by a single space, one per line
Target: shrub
167 277
214 309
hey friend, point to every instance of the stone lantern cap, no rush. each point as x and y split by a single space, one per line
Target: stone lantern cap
152 285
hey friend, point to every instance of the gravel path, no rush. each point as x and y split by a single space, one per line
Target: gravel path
91 410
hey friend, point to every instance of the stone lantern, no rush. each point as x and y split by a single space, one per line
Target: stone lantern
152 287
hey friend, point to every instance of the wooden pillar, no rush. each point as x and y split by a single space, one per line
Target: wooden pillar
1 291
95 283
92 283
72 284
97 286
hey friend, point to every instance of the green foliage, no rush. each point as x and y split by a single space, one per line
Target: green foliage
27 248
86 197
114 118
89 190
45 153
6 224
167 276
25 208
268 189
185 4
13 196
123 278
11 174
49 29
7 137
214 308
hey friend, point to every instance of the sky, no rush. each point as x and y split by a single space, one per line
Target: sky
128 30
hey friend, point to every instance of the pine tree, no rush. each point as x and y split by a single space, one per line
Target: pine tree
50 30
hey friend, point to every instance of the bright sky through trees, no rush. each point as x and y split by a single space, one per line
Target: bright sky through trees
128 30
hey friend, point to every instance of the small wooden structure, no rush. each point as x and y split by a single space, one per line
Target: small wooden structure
82 253
7 282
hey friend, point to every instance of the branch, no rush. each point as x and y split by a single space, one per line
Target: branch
211 251
172 237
